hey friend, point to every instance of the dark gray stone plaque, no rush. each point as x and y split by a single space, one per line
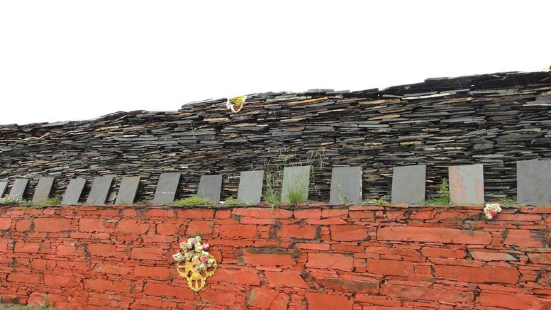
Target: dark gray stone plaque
534 181
100 190
166 188
250 187
43 189
3 187
467 184
210 186
18 189
127 190
408 184
296 180
346 185
73 192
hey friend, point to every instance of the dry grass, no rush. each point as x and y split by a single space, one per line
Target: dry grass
21 307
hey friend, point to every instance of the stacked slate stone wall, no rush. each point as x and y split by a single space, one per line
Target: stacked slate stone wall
493 119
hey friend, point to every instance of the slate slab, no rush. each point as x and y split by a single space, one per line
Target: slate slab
73 192
127 191
346 185
166 188
534 181
3 187
210 186
100 190
295 180
467 184
43 189
250 187
408 184
18 189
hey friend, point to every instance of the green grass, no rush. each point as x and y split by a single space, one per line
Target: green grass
232 201
508 202
271 192
21 307
378 202
192 202
296 194
444 195
48 202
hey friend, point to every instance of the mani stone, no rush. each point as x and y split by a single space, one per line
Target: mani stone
166 188
100 190
250 187
467 184
408 184
73 192
346 185
3 187
210 187
296 182
43 189
128 190
534 181
18 189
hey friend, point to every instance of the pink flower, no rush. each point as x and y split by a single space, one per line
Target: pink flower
204 259
493 213
206 246
192 241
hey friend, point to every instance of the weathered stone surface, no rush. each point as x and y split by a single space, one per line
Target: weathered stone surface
166 189
534 181
43 189
408 184
210 187
3 187
128 190
250 187
73 192
346 185
296 182
18 189
100 190
467 184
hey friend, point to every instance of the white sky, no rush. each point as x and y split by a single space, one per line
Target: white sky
74 60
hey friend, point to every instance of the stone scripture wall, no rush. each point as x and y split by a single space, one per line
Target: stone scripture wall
308 258
492 119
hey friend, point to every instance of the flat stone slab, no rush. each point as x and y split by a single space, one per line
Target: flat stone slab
43 189
100 190
467 184
408 184
346 185
166 188
127 191
210 187
3 187
296 180
534 181
250 187
73 192
18 189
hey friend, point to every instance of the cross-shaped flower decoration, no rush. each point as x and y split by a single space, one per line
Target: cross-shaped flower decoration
195 263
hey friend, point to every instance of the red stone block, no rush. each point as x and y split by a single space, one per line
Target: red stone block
267 259
320 301
112 269
525 238
241 276
350 286
23 225
540 258
330 261
106 285
167 228
21 247
91 225
307 214
52 225
262 213
390 267
313 246
491 256
262 298
200 228
150 253
348 233
101 249
164 213
425 293
433 234
443 252
223 214
297 232
5 223
126 226
153 272
340 213
243 231
195 214
59 281
487 274
24 277
286 279
38 299
514 301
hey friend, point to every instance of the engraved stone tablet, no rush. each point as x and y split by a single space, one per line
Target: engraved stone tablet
346 185
100 190
296 182
534 181
166 188
250 187
127 191
18 189
408 184
210 186
3 187
467 184
43 189
73 192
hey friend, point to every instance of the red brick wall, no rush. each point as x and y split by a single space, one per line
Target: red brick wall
315 258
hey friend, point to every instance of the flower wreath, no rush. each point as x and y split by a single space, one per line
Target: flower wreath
195 263
491 210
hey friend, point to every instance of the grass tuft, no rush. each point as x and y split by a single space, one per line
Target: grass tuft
192 202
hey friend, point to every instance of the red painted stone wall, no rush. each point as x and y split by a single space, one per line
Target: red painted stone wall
314 257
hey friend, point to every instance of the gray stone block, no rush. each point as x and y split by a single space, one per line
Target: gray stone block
467 184
408 184
210 187
250 187
166 188
534 181
3 187
296 181
100 190
43 189
127 191
73 192
346 185
18 189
